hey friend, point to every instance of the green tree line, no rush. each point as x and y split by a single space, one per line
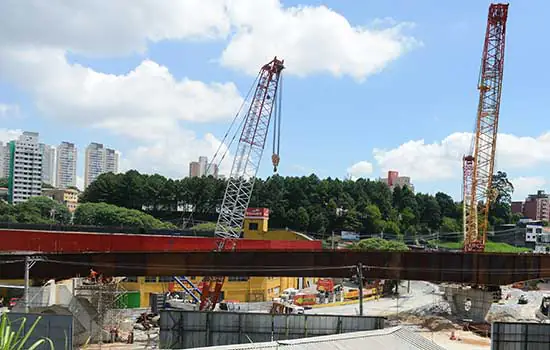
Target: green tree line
44 210
307 203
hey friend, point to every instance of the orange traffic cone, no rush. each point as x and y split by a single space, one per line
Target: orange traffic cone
453 336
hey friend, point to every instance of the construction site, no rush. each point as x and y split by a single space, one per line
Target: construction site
253 287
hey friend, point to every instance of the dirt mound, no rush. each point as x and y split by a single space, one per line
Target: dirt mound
436 324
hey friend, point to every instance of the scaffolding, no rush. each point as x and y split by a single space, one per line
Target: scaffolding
107 301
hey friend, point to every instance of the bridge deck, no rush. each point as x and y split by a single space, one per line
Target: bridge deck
471 268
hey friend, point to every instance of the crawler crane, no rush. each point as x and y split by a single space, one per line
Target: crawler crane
479 164
265 102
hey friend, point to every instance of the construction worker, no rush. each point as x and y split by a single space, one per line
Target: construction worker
93 275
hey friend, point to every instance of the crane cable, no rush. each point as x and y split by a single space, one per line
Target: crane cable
277 124
252 87
222 143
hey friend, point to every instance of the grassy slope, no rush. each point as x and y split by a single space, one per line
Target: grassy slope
491 247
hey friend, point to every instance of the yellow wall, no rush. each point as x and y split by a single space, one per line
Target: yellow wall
257 228
253 289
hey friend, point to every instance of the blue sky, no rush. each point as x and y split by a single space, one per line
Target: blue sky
370 85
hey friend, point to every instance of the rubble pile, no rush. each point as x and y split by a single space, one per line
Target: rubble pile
511 311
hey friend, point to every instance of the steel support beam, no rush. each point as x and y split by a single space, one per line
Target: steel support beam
472 268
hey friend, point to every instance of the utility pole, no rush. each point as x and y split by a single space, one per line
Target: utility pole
27 283
360 278
332 240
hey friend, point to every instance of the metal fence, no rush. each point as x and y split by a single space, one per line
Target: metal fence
520 336
183 329
58 328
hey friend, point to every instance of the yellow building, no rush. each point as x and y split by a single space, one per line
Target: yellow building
68 196
244 289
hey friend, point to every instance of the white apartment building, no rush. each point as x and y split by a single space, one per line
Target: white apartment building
66 165
25 173
99 160
4 161
48 163
203 164
111 161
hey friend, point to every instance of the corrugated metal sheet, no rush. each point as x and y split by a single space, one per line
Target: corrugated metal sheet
59 328
189 329
520 335
396 338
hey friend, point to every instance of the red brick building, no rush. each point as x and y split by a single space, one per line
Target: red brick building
535 207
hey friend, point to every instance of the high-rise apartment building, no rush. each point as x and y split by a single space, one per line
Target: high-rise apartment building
99 160
194 169
3 160
212 171
111 161
201 168
66 165
48 163
25 170
203 162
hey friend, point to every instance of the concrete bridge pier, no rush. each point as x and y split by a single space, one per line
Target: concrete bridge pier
472 303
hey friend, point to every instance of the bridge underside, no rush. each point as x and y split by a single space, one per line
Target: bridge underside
472 268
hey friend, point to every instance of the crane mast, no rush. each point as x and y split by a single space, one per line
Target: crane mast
244 170
478 166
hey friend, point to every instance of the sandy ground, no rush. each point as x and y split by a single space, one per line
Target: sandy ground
467 340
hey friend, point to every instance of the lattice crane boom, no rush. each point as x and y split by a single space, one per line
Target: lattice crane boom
245 168
479 165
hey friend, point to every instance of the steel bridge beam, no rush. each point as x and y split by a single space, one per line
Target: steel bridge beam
471 268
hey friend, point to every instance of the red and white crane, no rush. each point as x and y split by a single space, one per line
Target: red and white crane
478 166
264 103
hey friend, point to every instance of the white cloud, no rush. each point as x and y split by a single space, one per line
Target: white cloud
144 103
311 39
108 28
171 156
360 169
523 186
8 109
7 135
443 160
147 105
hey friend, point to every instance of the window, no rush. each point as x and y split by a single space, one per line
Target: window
131 279
165 279
237 279
253 226
150 279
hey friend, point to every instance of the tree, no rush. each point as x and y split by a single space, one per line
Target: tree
500 211
302 219
3 182
304 203
392 228
102 214
431 212
372 220
449 225
41 210
447 205
379 244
